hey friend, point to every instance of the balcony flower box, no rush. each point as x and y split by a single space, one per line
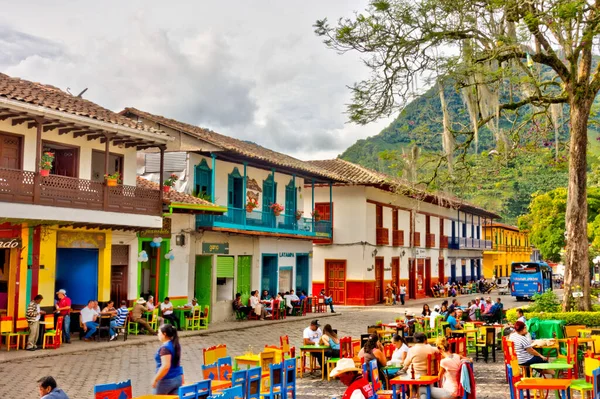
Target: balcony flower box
112 179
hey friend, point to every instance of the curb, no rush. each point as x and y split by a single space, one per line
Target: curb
141 340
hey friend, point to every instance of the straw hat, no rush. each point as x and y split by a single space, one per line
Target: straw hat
141 301
344 365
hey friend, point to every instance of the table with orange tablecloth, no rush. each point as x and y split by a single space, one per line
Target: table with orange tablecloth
404 380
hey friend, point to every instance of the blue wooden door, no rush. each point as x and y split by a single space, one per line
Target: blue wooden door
269 198
77 273
302 280
453 272
269 278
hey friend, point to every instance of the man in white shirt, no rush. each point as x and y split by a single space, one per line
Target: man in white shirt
88 320
166 309
312 335
289 298
434 314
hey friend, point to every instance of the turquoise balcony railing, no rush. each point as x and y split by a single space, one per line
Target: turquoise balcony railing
239 219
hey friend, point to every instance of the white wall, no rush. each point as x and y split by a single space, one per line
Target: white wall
85 150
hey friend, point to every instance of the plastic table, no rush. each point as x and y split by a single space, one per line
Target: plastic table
310 349
217 385
555 367
559 385
250 360
425 380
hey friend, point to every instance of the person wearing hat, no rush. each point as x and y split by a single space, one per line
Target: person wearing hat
192 304
312 335
350 375
63 308
137 315
526 355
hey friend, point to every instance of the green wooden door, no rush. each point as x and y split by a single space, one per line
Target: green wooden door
203 280
244 277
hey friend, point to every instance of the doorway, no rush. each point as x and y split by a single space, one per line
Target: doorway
66 159
335 280
472 276
235 196
269 278
118 273
10 152
396 271
203 280
302 280
412 279
4 277
452 271
115 164
463 270
154 273
379 288
77 273
244 277
427 275
420 277
441 271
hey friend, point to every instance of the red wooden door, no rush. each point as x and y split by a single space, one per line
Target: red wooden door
335 280
420 277
441 276
10 151
118 274
65 162
412 279
427 275
324 210
396 271
378 280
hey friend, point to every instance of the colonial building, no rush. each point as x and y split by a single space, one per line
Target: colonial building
62 225
509 245
253 245
384 230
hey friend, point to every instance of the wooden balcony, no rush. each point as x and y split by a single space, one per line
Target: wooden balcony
416 239
27 187
444 242
383 236
398 238
429 240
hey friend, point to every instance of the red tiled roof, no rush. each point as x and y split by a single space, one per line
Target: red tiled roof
53 98
359 175
173 196
244 148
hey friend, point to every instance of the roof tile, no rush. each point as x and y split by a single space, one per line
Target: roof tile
173 196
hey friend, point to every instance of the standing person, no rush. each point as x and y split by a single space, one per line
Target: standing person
394 292
166 309
349 375
88 320
49 389
331 340
63 308
327 299
402 293
169 373
33 319
311 336
434 315
137 315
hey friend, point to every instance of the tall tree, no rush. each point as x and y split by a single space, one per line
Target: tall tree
501 50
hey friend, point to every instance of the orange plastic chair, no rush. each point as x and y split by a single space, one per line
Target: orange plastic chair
213 353
6 330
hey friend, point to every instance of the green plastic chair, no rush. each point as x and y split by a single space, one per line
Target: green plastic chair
132 327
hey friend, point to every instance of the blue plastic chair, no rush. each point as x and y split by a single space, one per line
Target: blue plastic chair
275 381
596 377
203 389
113 390
225 368
233 393
289 378
188 392
253 383
238 379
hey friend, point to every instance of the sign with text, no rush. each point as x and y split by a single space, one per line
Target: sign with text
80 239
10 243
215 248
164 232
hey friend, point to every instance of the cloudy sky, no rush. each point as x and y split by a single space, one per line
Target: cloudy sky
249 69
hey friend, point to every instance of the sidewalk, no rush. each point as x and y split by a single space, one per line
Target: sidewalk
78 345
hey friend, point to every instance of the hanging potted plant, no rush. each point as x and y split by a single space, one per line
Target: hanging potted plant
276 208
316 215
170 182
299 215
251 204
46 163
112 179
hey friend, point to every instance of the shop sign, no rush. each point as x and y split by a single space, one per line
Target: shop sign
215 248
80 239
10 243
286 255
420 253
164 232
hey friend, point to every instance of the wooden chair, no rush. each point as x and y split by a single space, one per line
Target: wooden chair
513 373
287 350
253 383
275 387
276 310
459 345
22 329
192 322
570 357
320 306
225 368
508 348
251 314
346 349
266 359
123 329
203 389
299 309
596 379
283 310
571 331
121 390
212 354
232 393
55 336
289 378
210 371
132 326
486 341
203 321
6 331
187 392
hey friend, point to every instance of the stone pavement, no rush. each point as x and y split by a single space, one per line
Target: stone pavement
80 366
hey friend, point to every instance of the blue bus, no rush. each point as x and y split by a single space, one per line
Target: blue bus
530 278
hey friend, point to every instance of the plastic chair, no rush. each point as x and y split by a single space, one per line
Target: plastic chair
203 321
289 378
210 371
586 384
121 390
6 330
253 383
232 393
212 354
132 327
225 368
203 389
238 379
54 336
22 329
275 387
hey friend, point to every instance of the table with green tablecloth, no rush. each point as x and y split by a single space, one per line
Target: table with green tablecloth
543 329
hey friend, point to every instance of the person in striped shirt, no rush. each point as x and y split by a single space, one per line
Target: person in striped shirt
526 355
122 313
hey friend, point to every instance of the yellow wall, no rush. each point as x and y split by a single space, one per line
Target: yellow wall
508 246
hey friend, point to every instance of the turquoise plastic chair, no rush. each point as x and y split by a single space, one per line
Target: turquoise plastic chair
238 379
275 382
253 383
289 378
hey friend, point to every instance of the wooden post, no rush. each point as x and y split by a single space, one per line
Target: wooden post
38 160
244 188
106 160
161 177
213 177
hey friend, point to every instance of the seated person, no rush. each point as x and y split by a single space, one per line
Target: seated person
257 307
328 300
122 313
291 299
238 306
166 309
150 303
311 336
453 322
265 296
110 308
137 315
495 312
89 320
373 349
192 304
417 354
409 323
330 339
302 295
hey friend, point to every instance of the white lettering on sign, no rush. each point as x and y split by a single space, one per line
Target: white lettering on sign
286 255
10 243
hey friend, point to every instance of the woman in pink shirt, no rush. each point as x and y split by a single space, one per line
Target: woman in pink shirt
449 366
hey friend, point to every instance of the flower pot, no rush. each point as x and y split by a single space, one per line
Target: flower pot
298 217
44 172
249 209
111 182
276 213
166 189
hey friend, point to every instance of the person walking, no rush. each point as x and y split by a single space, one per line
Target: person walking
402 293
33 319
169 373
63 308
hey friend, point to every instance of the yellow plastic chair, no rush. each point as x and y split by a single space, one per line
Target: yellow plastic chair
203 320
23 331
6 330
193 322
153 322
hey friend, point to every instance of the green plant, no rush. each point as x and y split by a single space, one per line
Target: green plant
170 182
316 214
46 160
252 203
203 196
276 208
546 302
378 322
113 176
299 214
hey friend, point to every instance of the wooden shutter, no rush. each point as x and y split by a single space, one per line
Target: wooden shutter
203 280
379 216
243 277
225 266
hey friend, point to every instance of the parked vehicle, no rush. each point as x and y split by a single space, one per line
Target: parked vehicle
530 278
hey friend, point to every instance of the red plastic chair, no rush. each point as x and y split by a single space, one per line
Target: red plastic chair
251 314
346 349
54 336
